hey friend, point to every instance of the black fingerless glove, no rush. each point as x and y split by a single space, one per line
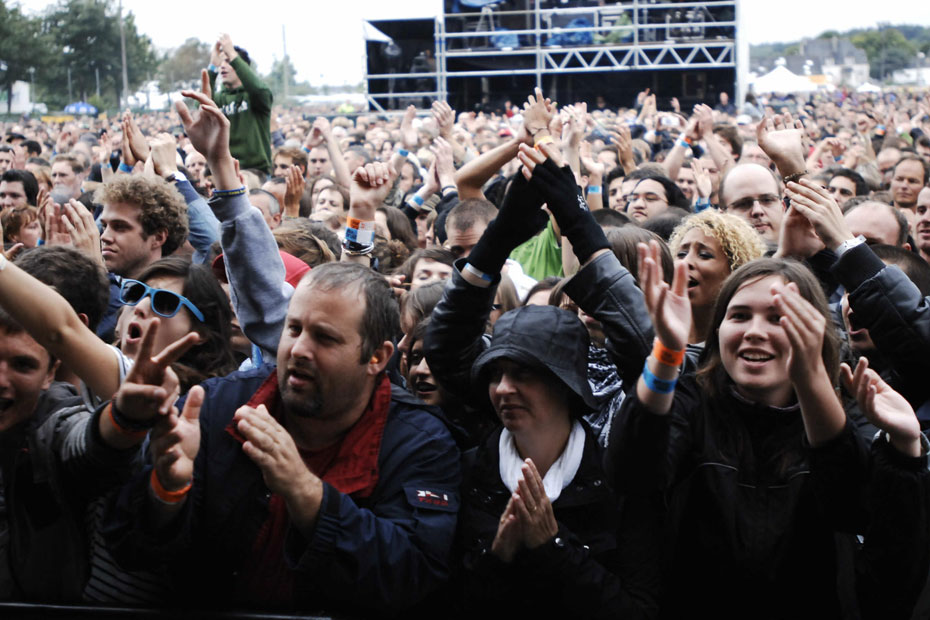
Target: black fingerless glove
519 220
566 202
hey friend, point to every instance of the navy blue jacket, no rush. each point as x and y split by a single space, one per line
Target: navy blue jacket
380 553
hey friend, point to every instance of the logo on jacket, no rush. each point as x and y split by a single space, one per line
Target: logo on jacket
433 499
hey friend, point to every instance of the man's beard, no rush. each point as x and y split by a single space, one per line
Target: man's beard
307 404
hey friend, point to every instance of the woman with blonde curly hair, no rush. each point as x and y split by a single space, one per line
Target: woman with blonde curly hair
712 244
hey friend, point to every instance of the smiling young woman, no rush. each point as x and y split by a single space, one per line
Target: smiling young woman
762 472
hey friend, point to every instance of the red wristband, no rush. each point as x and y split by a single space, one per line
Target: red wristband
169 497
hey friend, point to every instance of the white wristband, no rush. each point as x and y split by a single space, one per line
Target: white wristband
3 261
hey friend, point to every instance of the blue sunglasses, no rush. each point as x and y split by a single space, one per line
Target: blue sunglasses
164 302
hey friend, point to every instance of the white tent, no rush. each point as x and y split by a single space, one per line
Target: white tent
781 80
866 87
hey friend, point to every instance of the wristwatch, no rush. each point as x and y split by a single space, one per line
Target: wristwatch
848 245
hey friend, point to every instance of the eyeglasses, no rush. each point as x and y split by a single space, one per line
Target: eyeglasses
164 302
648 198
745 204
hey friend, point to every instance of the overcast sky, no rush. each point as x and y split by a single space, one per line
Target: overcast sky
324 38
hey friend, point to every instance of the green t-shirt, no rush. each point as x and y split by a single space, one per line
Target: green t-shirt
541 256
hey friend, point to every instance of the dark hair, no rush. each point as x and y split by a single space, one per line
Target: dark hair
731 134
664 223
612 218
712 375
914 267
381 319
243 54
613 175
862 188
32 147
399 226
546 284
673 193
30 185
78 278
296 155
213 357
9 325
623 242
469 212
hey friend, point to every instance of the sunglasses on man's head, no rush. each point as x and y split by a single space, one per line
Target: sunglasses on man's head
164 302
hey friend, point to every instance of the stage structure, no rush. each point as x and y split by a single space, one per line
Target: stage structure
481 53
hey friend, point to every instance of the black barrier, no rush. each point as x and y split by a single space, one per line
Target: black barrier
27 610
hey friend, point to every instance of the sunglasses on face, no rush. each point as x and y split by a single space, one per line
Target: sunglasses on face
165 303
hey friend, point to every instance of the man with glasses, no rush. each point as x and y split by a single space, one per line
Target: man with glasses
751 192
653 195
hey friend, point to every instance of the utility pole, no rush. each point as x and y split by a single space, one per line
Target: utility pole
287 61
122 45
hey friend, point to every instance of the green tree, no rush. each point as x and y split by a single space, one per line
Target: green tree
25 51
88 34
887 50
180 67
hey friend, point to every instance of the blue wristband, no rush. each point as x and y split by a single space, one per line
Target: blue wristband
212 68
477 272
418 200
655 384
682 144
403 152
124 168
594 189
227 193
700 204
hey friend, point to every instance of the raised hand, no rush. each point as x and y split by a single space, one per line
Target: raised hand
781 139
296 183
320 133
165 154
370 185
445 118
408 132
136 141
151 387
883 407
226 45
669 307
175 441
534 508
623 140
82 230
821 210
445 165
537 112
702 180
805 327
208 130
705 119
797 237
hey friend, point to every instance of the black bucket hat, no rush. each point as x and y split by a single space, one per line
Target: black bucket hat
542 337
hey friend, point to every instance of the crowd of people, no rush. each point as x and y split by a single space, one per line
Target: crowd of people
550 361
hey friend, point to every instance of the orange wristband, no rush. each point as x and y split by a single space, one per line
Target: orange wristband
666 356
544 140
125 432
169 497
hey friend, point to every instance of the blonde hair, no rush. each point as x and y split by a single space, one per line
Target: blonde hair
739 241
